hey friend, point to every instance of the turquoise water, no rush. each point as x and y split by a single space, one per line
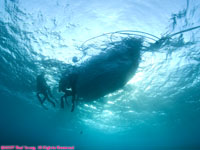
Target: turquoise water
158 108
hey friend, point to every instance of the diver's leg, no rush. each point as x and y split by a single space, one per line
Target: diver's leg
73 92
62 101
50 94
73 102
67 93
44 99
39 98
50 101
43 102
66 100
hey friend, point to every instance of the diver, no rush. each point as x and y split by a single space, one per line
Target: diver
44 89
67 85
63 88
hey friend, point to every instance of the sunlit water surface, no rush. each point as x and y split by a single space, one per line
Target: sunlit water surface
158 108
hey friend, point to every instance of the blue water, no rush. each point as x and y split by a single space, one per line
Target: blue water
158 108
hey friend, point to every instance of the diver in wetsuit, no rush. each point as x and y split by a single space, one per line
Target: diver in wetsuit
66 83
63 86
44 89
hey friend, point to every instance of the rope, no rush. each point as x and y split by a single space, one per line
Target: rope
186 30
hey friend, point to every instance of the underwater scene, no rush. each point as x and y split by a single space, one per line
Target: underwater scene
100 74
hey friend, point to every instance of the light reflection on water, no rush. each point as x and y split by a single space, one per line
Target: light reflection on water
159 93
